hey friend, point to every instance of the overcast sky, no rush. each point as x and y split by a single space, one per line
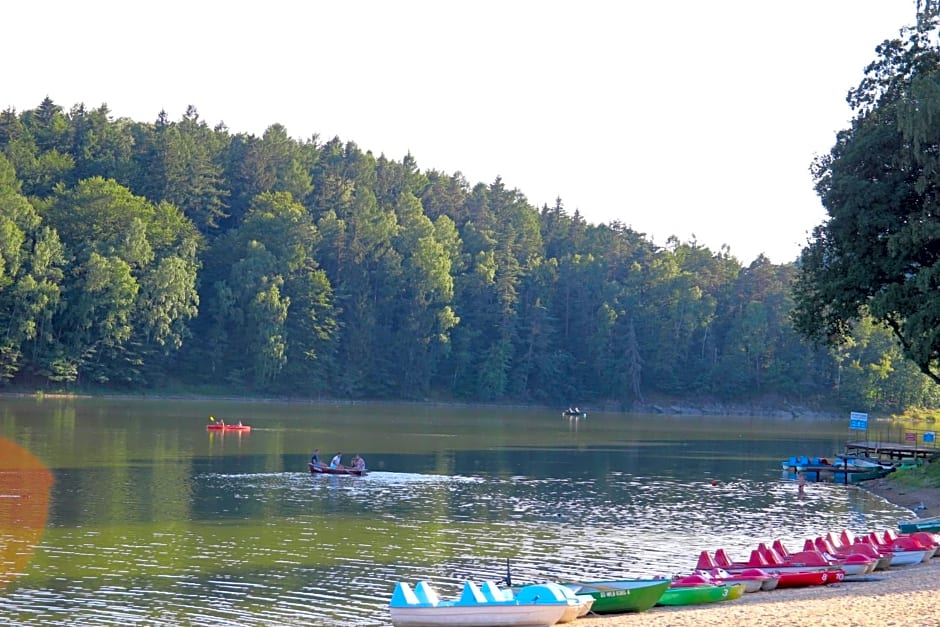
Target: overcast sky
686 118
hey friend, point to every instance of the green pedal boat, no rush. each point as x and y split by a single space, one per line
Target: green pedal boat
696 594
624 595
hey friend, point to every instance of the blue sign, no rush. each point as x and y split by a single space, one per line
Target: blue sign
858 421
928 436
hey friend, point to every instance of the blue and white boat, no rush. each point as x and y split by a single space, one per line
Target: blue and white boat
537 605
840 468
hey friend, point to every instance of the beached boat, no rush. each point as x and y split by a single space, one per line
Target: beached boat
831 545
218 426
851 563
623 595
538 605
754 579
697 590
326 470
708 564
905 550
788 576
931 525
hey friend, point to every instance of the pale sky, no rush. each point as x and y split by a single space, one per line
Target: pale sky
683 117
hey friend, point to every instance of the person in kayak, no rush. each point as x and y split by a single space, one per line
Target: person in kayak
315 458
337 462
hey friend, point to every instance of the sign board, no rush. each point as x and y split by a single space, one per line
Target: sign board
910 437
928 436
858 421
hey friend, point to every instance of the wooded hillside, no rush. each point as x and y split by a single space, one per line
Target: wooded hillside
142 256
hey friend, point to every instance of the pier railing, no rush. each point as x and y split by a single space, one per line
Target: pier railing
895 441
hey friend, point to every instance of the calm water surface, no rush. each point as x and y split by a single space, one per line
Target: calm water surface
154 521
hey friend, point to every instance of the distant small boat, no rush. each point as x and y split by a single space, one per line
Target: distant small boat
326 470
218 426
574 413
840 469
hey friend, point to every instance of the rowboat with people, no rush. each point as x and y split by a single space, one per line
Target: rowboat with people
326 470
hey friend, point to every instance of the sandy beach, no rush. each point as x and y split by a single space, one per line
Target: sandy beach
907 596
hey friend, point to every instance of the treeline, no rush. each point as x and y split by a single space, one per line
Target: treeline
158 255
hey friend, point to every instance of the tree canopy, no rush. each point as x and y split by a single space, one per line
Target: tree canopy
878 254
171 254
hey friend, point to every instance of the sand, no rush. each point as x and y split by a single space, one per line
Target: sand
907 596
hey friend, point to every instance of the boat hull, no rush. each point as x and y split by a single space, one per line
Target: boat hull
805 579
225 428
477 616
326 470
537 605
698 595
931 525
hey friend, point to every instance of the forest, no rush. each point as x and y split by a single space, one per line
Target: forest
174 255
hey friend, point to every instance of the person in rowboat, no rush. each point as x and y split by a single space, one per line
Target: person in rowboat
337 462
358 463
315 458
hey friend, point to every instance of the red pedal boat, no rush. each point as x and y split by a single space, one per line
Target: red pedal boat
788 576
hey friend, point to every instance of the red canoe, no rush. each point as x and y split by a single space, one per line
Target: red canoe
326 470
220 427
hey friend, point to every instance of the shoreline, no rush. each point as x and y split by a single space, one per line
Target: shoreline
905 595
675 407
922 502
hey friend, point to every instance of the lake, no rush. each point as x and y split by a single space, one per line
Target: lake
152 520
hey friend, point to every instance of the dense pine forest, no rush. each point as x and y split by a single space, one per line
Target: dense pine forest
171 255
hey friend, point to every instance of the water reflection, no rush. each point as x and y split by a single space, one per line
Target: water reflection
24 505
165 525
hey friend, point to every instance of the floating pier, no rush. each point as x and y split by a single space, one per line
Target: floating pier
892 450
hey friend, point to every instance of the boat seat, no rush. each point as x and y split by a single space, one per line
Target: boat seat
759 560
403 596
471 595
542 593
492 593
426 594
721 558
705 561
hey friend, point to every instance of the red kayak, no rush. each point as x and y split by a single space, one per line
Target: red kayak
326 470
220 427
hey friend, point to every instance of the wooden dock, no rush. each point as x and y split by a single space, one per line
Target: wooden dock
892 450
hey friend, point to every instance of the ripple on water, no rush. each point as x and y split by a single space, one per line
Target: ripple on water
299 549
